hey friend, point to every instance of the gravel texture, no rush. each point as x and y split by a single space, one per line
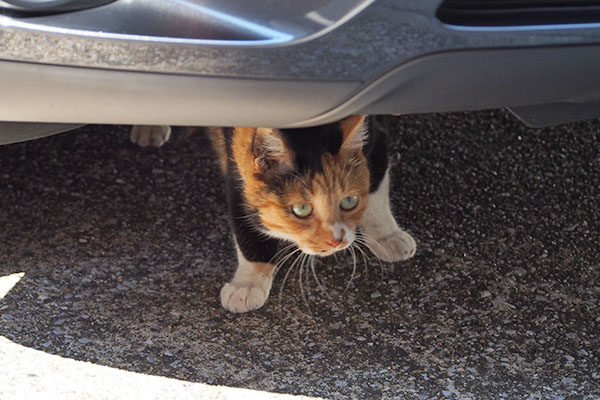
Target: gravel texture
124 251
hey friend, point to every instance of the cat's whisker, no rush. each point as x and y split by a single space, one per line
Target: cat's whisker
362 241
281 263
366 260
364 256
371 242
368 240
314 274
255 225
274 259
309 264
257 229
300 275
307 273
247 216
301 179
279 253
252 217
291 267
353 253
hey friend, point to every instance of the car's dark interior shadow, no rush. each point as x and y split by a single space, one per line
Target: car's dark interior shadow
125 250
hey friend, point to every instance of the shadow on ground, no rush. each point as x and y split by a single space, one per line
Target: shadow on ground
124 252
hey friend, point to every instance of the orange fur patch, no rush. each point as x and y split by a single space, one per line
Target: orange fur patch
265 269
352 128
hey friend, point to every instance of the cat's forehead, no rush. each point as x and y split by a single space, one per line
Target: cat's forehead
335 181
309 145
331 177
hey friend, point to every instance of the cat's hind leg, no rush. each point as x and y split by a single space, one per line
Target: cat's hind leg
250 286
380 230
150 135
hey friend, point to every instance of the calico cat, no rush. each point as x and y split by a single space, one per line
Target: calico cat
320 190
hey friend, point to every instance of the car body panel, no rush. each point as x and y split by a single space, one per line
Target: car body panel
381 56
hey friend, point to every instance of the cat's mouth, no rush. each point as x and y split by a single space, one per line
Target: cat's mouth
327 252
329 245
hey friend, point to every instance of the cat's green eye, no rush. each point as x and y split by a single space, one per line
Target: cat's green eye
302 210
348 203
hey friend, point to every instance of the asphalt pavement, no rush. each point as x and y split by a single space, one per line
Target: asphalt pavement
112 258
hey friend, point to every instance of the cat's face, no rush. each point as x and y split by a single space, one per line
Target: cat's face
312 194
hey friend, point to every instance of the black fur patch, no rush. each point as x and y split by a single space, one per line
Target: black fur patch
376 153
309 145
252 243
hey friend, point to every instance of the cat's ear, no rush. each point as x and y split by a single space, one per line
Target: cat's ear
354 130
270 154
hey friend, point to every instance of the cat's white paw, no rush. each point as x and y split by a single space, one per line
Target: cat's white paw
150 135
240 299
396 246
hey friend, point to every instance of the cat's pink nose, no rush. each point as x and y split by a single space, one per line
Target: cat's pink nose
337 237
333 242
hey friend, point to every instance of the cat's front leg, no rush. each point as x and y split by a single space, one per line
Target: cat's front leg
250 286
150 135
380 230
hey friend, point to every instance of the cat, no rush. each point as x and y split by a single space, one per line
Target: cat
318 189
